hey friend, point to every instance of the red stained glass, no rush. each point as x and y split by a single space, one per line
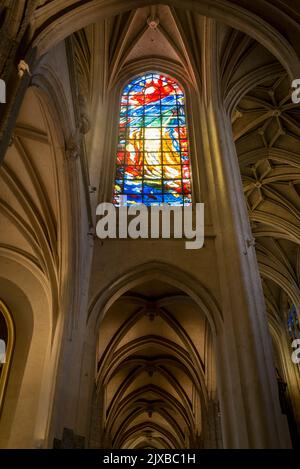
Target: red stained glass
153 151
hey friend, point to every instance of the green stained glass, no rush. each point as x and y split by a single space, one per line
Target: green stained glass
153 160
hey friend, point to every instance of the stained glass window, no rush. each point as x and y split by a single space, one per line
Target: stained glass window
293 323
153 160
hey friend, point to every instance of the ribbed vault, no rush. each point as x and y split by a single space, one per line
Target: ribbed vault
266 131
155 375
155 380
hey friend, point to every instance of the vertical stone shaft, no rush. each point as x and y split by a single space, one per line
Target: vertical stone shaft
251 416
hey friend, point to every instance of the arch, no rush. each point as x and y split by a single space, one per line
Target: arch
35 258
17 301
114 407
190 362
249 81
277 223
149 351
166 437
221 10
290 375
109 364
144 65
164 272
189 86
7 331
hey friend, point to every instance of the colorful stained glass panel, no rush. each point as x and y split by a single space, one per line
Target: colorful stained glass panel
153 160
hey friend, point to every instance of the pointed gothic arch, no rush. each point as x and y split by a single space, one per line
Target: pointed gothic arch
7 341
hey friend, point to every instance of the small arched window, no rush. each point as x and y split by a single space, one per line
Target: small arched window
153 159
7 338
293 323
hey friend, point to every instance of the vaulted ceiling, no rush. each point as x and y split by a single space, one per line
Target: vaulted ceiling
152 397
266 130
30 210
156 371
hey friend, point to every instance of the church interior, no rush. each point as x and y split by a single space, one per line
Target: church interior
141 343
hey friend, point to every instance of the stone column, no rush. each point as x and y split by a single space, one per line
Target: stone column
249 404
212 429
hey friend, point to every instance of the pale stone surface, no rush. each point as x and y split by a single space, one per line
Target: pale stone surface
134 343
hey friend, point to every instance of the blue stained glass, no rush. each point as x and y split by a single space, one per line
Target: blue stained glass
293 323
153 199
118 187
136 122
172 199
150 188
133 199
135 112
153 153
132 187
169 101
152 110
